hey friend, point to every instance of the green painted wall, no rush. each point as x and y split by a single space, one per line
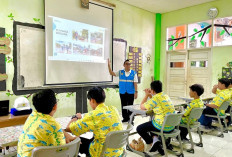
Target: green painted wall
130 23
220 55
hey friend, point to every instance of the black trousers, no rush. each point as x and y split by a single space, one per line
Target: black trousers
84 146
126 99
183 132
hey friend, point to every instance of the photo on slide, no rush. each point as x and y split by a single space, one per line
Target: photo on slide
80 49
63 47
96 51
97 38
80 35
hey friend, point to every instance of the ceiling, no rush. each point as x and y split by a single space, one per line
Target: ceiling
163 6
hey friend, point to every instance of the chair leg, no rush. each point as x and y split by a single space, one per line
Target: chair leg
181 147
164 146
200 144
191 150
221 127
226 130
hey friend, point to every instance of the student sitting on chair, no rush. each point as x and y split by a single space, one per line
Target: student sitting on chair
223 95
41 129
102 120
161 105
196 91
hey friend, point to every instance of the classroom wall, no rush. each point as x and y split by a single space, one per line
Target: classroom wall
220 55
132 24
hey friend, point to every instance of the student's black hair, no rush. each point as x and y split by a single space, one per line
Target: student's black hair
197 88
44 101
126 61
97 93
230 81
224 81
156 86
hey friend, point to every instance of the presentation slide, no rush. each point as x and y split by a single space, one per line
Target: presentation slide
76 41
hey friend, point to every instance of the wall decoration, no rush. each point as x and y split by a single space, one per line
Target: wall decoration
176 37
223 31
135 56
148 56
229 64
200 34
227 73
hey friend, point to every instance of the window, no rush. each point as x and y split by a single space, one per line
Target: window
199 64
177 65
222 31
200 34
176 38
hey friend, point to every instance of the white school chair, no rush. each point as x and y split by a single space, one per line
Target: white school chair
224 106
68 150
194 114
116 139
171 120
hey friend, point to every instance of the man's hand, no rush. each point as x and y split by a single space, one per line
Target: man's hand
109 63
136 95
68 137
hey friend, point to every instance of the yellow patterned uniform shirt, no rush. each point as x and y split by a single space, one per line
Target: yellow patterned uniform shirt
101 121
196 103
39 130
161 105
222 96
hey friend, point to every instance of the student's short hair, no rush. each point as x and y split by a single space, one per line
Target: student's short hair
230 81
126 61
197 88
44 101
224 81
97 93
156 86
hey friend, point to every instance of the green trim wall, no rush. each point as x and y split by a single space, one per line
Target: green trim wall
157 46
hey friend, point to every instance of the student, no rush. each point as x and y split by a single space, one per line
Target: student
161 105
127 87
196 91
102 120
223 95
41 129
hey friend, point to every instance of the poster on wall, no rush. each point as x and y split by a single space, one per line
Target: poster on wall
135 56
227 73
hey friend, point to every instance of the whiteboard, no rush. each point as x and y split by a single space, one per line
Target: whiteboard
30 57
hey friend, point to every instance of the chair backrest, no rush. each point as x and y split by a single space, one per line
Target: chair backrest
116 139
172 120
224 106
196 113
68 150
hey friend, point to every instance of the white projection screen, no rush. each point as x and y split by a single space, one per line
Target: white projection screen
78 42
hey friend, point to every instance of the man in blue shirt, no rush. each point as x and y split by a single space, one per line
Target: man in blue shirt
127 87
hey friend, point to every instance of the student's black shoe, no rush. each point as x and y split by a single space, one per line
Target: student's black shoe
125 120
169 146
157 146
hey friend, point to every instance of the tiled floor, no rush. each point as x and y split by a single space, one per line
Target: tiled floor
213 146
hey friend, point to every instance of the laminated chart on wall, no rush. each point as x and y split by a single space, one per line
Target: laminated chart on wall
136 57
227 73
